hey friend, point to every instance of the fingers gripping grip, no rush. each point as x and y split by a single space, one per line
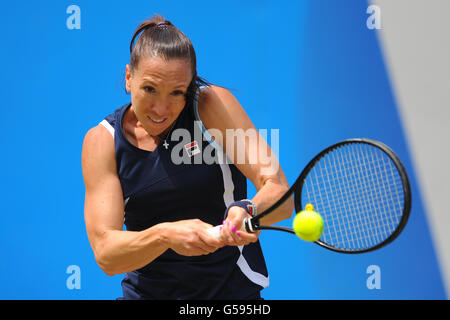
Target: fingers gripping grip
246 226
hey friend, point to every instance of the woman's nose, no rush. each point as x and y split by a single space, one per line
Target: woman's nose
161 108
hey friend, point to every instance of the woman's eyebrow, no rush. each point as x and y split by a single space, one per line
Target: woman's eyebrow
180 85
148 80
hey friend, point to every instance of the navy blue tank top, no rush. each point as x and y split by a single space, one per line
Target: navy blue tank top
178 182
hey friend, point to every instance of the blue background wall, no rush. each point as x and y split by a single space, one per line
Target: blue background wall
311 69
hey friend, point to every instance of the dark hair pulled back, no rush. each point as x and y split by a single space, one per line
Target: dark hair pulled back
159 37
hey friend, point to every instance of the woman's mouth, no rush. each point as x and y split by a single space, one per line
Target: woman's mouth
157 121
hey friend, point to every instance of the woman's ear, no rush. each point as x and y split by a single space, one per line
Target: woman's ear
128 78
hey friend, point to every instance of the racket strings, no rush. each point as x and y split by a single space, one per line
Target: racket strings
358 191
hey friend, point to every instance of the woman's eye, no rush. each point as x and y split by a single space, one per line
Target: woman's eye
149 89
178 93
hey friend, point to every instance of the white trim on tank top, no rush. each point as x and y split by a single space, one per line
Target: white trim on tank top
228 198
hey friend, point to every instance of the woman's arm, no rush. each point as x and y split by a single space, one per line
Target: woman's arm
115 250
220 110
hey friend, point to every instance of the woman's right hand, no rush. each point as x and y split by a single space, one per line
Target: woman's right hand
190 238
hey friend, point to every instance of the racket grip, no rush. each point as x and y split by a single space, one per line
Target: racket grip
215 231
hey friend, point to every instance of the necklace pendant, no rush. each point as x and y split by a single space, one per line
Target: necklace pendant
165 144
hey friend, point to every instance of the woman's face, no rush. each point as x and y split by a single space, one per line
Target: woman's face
158 88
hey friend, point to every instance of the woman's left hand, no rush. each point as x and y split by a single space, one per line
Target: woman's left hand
231 233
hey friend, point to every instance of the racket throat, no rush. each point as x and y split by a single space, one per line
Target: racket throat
250 226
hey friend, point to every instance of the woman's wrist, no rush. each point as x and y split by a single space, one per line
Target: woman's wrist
246 204
162 232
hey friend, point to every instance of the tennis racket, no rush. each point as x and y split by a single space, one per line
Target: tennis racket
361 190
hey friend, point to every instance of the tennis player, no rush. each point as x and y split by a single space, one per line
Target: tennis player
131 179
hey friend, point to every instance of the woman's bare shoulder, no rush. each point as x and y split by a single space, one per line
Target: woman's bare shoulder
214 94
98 152
98 137
217 105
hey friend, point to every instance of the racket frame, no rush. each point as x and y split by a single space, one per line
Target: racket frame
252 224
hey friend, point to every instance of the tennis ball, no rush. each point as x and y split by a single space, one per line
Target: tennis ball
308 224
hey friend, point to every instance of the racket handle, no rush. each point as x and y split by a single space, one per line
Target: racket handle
215 231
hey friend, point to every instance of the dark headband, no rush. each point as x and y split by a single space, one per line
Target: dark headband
160 25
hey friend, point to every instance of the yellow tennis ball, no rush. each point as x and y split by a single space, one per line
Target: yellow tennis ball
308 224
